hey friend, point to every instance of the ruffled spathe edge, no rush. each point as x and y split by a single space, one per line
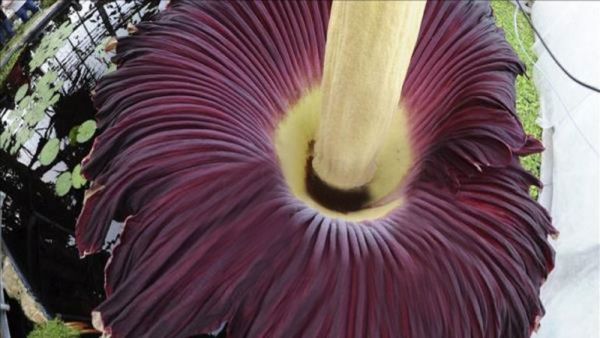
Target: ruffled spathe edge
213 235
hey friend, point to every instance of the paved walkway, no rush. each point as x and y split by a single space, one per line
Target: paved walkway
571 164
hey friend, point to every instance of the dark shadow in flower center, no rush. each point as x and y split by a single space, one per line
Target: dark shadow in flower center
333 198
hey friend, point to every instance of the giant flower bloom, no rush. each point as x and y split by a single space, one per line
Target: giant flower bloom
196 157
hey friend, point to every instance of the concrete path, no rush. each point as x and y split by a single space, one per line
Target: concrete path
570 118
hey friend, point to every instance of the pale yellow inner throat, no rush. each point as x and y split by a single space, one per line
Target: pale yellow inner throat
351 132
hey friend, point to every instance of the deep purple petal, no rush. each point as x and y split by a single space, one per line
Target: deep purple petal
213 235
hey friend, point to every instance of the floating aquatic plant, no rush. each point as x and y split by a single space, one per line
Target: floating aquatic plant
34 108
51 44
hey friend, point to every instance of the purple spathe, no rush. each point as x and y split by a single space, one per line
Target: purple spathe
213 235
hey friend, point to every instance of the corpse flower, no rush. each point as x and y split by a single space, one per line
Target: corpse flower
277 186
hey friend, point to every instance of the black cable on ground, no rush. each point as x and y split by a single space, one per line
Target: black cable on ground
581 83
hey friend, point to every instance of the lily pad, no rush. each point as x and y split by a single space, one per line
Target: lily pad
23 135
11 115
86 130
15 148
25 103
73 135
64 30
35 116
49 151
46 80
21 92
58 84
45 94
55 46
4 139
53 100
63 183
14 125
77 179
37 60
64 25
111 68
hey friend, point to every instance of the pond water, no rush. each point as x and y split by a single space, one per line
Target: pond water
47 126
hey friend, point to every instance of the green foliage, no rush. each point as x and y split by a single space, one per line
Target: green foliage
34 102
47 3
49 151
63 183
21 92
50 45
53 329
29 111
528 103
77 179
85 131
5 71
9 48
73 135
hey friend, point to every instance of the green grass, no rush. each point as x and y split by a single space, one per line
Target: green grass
47 3
9 65
54 328
19 31
528 104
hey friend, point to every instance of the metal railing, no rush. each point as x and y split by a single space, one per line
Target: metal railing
91 24
94 22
